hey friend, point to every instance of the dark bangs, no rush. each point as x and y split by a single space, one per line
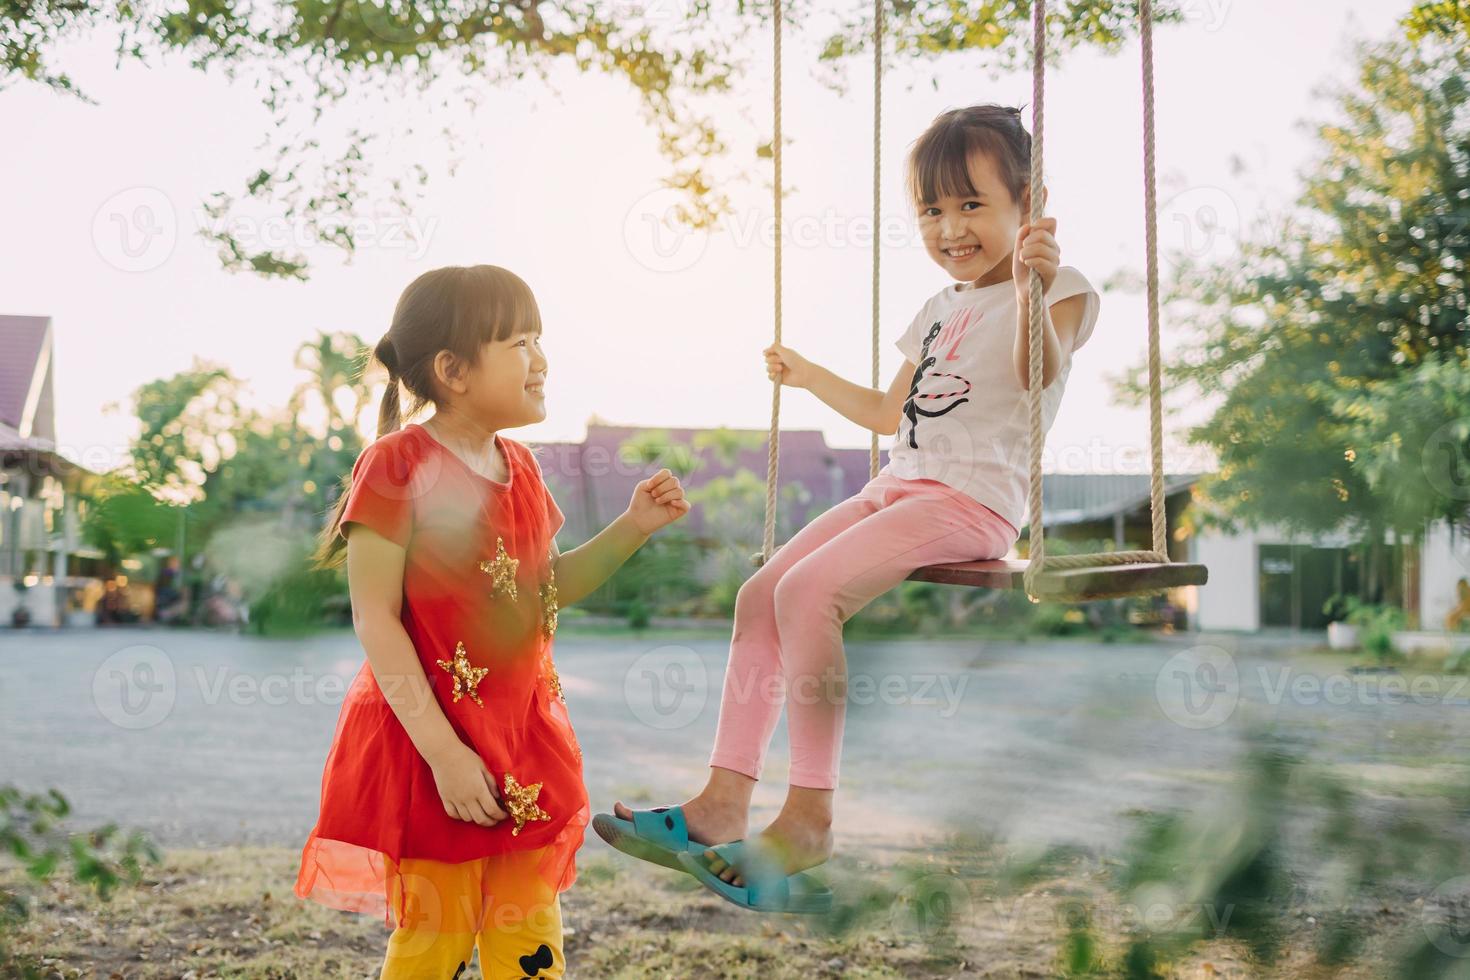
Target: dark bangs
939 163
490 304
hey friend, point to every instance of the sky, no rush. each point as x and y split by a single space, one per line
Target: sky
560 182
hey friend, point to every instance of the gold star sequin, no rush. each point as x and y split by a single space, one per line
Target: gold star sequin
502 571
553 681
548 607
520 802
466 675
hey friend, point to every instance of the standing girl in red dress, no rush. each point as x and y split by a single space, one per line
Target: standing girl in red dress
452 797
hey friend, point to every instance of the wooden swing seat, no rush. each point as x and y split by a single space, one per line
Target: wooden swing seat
1068 584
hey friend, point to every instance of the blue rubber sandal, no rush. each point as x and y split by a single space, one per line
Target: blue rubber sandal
766 889
657 835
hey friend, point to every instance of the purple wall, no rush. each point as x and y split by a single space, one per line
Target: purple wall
592 481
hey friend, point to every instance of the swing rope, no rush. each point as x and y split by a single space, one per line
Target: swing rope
1040 562
877 199
768 540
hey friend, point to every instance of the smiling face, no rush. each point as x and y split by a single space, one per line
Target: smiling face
971 231
508 383
504 387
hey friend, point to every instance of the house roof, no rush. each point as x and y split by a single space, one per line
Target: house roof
27 408
27 403
1078 498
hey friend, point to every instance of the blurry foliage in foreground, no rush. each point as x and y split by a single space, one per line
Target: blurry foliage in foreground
1280 843
32 835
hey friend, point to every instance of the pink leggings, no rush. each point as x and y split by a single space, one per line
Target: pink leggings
787 642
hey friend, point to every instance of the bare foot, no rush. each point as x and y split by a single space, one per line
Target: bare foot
800 841
710 820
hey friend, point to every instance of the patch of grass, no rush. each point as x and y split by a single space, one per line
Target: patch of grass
231 913
961 907
224 913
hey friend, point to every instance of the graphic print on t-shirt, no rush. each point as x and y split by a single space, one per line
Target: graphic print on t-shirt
952 387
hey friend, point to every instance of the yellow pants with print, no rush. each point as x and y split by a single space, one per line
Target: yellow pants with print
498 904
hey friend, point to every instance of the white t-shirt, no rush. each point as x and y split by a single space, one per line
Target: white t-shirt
966 421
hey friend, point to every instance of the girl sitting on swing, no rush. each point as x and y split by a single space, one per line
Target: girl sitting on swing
954 489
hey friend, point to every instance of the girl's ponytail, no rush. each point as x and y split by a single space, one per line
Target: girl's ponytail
331 550
389 413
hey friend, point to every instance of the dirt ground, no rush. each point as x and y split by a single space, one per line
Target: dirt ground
231 913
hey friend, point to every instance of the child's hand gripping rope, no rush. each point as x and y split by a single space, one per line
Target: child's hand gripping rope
1036 248
787 366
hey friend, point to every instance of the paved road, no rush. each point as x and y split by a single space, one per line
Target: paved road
208 739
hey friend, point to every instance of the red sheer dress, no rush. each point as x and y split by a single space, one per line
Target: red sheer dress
479 605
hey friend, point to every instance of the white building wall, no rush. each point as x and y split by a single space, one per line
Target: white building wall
43 601
1444 561
1230 599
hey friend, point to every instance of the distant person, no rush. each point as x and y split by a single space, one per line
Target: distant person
1460 614
168 600
113 607
453 800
